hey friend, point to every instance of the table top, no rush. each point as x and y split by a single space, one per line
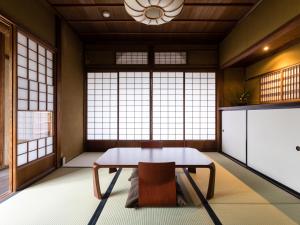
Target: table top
130 157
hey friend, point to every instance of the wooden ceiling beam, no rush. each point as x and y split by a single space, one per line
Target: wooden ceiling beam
229 4
132 20
150 33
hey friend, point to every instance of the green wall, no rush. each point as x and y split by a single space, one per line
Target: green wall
33 15
72 94
266 18
284 58
233 85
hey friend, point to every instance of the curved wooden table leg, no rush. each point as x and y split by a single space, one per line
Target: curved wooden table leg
211 184
97 191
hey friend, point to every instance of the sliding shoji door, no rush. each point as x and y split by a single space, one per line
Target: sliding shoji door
168 101
35 102
102 114
134 103
200 106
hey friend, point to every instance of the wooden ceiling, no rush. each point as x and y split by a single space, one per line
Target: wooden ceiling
200 20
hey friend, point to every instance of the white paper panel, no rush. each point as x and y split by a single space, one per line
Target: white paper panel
49 149
41 142
32 145
22 148
49 140
50 106
22 50
32 65
49 55
22 105
33 95
32 45
41 50
32 75
42 106
42 97
32 155
33 105
49 63
42 69
42 88
22 61
33 86
22 94
42 152
49 80
50 89
42 60
22 39
42 78
22 159
49 72
32 55
50 98
22 72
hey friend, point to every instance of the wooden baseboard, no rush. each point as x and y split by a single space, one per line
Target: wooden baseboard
35 179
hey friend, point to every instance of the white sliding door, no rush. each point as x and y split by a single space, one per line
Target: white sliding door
234 134
272 139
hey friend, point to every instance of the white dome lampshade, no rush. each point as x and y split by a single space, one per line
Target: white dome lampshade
153 12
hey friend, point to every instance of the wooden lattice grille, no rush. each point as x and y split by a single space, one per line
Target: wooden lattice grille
281 85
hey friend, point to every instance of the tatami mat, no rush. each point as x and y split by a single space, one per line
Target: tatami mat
114 212
63 198
241 197
85 159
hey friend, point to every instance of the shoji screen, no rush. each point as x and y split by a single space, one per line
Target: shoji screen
35 100
200 106
102 103
134 103
168 106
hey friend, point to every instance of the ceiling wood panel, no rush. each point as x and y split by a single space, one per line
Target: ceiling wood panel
212 19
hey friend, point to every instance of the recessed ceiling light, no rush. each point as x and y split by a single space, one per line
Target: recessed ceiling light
106 14
266 48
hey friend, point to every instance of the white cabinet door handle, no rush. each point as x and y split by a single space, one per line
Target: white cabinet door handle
298 148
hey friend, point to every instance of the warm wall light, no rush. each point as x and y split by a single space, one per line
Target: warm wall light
106 14
266 48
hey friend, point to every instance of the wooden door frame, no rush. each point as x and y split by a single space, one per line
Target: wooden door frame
6 53
2 74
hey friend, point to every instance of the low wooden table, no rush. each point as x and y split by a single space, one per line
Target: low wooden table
130 157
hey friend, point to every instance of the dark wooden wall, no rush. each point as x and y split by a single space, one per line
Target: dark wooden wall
102 56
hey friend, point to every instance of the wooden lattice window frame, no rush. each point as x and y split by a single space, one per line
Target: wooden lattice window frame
282 85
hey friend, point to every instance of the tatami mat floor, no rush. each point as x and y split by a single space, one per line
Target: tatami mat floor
65 197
